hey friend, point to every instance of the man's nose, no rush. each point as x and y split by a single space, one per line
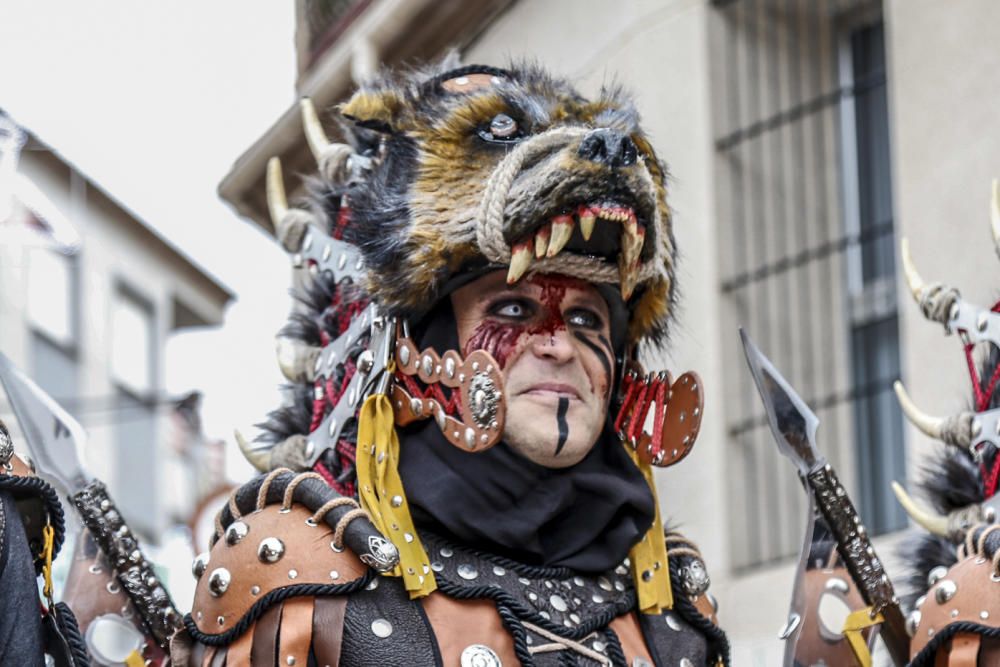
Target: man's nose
556 346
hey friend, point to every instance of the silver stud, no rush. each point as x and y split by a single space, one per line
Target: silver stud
218 581
533 597
920 601
620 587
599 646
404 355
945 590
332 429
417 406
446 552
449 367
672 623
408 537
558 603
198 566
524 582
575 618
684 662
381 628
437 566
397 501
936 575
428 364
604 583
236 532
467 571
372 585
270 550
293 574
545 615
334 575
837 584
984 615
499 571
598 598
578 581
255 590
97 569
114 589
479 655
470 438
341 261
221 620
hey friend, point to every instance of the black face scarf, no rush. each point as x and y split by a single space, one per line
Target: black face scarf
585 517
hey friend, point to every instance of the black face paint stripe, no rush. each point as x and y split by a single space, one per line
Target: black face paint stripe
607 345
601 355
561 423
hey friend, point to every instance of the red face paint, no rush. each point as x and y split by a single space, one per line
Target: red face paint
500 338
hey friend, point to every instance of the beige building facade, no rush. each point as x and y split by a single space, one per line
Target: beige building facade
804 139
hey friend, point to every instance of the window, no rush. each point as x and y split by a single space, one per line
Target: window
807 252
132 352
52 295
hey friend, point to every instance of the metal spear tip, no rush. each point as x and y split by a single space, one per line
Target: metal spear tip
792 423
53 437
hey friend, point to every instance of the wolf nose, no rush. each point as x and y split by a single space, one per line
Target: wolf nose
609 147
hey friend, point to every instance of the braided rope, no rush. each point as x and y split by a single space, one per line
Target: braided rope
564 643
265 485
927 655
489 226
614 647
513 625
320 514
71 632
338 533
20 487
286 501
271 598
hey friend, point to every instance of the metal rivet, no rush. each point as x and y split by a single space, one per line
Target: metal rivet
598 598
604 583
334 574
270 550
96 569
913 622
470 438
381 628
290 660
397 501
255 590
499 571
407 537
479 655
113 588
558 603
292 574
332 429
684 663
984 614
446 552
467 571
936 575
545 615
218 581
945 590
198 566
672 623
221 620
437 566
236 532
449 367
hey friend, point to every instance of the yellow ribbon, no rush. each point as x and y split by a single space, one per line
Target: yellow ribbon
381 492
649 556
49 537
854 624
134 659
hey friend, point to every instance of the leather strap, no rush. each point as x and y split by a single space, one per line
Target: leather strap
239 650
630 637
265 638
209 658
296 632
964 650
458 624
328 630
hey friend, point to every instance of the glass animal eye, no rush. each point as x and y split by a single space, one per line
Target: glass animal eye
503 126
587 319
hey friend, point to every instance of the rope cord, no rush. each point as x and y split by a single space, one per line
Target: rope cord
320 514
21 487
338 533
614 648
270 599
71 632
531 571
286 500
927 656
718 643
516 629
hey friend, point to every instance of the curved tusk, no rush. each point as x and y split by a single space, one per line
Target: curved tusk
296 359
933 523
995 214
931 426
277 201
913 278
258 458
315 135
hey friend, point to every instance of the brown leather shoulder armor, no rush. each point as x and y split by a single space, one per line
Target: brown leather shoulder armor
265 557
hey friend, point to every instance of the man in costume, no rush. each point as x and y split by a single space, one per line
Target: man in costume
465 476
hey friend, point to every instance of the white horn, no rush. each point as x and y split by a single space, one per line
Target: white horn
315 135
913 278
296 359
258 458
995 214
933 523
930 426
277 201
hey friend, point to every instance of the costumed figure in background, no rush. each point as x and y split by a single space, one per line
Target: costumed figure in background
465 476
954 579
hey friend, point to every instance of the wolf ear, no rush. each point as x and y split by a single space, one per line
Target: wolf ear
373 109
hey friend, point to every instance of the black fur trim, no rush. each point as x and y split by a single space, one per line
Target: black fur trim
921 552
292 419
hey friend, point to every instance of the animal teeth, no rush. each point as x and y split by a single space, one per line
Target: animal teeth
587 221
562 229
520 260
542 241
632 238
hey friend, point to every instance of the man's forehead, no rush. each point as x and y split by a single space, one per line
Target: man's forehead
535 285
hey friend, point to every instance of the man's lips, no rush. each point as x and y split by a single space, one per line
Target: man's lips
552 388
